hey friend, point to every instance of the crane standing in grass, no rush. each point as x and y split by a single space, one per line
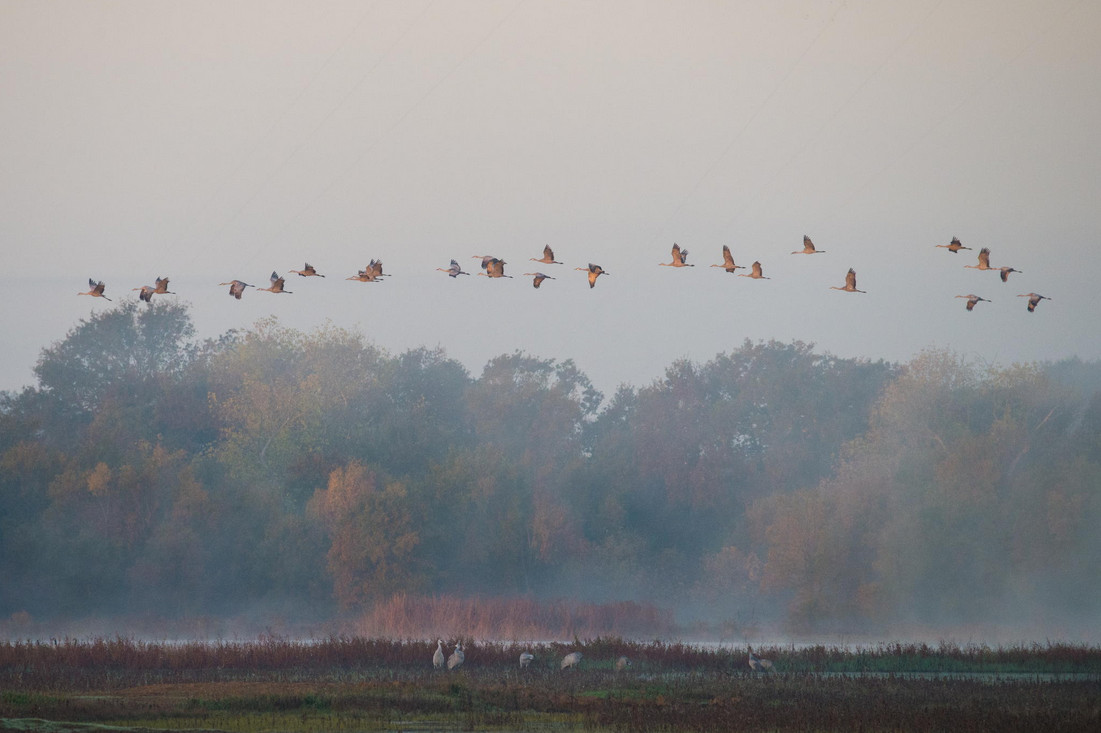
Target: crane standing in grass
457 657
757 664
571 660
438 658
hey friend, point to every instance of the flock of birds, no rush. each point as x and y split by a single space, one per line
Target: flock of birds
494 267
441 659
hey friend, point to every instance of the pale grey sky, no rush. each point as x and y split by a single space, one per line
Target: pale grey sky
208 141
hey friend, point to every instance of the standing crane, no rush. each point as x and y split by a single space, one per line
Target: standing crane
96 290
680 258
757 664
526 657
236 288
571 660
728 261
808 248
973 300
1033 300
438 657
307 270
539 278
755 272
850 283
954 246
547 258
276 284
984 260
594 271
454 271
457 657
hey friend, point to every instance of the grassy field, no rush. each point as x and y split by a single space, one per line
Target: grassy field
358 684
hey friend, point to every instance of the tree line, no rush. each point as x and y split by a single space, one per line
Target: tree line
316 473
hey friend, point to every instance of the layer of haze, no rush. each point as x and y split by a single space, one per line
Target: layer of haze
207 141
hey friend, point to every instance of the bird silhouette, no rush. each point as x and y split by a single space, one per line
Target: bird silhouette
146 293
547 258
1033 300
236 288
850 283
454 271
539 278
571 660
808 248
984 260
680 257
728 261
457 658
953 246
438 657
276 285
1005 272
973 300
96 290
307 270
594 271
755 272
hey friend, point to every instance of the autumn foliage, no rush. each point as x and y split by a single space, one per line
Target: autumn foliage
278 474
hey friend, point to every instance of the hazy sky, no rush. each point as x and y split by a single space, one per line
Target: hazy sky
207 141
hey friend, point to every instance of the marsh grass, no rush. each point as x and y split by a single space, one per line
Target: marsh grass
352 683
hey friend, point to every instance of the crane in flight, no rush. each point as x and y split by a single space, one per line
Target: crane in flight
454 271
1033 300
973 300
236 288
984 260
307 270
494 268
680 258
594 271
755 272
728 261
808 248
96 290
276 284
160 286
539 278
954 246
547 258
850 283
146 293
